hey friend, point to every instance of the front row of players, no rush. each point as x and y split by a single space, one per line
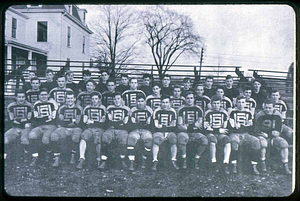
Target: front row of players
214 130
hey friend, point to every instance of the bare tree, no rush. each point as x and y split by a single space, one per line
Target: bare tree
169 36
113 40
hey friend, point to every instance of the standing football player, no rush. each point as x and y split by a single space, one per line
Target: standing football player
50 82
146 87
108 96
130 95
186 85
32 95
70 84
209 90
123 86
86 74
250 102
230 91
258 94
166 88
176 99
58 94
101 87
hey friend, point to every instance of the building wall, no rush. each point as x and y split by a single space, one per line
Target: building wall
21 27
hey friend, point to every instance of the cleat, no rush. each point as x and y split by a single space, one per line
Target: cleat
143 163
56 162
226 169
131 167
103 165
286 169
34 161
80 164
124 165
234 168
255 171
175 165
263 166
72 161
154 167
184 166
197 164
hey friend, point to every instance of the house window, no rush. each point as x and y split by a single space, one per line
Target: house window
70 9
69 37
83 17
42 32
83 45
14 28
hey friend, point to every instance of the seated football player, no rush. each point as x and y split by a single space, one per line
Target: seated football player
176 99
164 125
70 84
50 82
140 123
19 113
32 95
241 121
190 122
166 88
129 96
230 91
200 99
118 116
146 87
69 129
44 116
154 100
27 85
58 94
101 87
209 90
215 124
86 75
123 86
108 95
250 102
84 98
94 119
281 107
186 85
226 103
268 127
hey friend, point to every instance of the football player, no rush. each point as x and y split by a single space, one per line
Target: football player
32 95
123 86
94 118
103 81
140 119
230 91
190 123
176 99
118 116
59 93
258 94
68 131
154 100
268 127
241 121
84 98
209 90
166 88
82 83
186 85
215 123
19 113
108 96
146 87
130 95
226 103
27 85
44 116
50 82
165 124
70 84
202 100
250 102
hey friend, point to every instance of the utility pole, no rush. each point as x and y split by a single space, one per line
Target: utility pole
201 60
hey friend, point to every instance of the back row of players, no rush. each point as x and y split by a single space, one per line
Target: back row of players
48 117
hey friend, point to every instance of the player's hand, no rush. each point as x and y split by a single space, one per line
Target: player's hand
237 125
223 130
275 133
16 122
159 125
198 124
89 121
48 120
71 124
22 120
209 128
27 125
206 125
265 135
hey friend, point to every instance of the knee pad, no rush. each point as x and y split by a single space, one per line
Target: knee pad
131 141
173 140
24 140
54 137
234 146
157 140
255 144
203 141
182 139
148 143
283 144
45 140
76 138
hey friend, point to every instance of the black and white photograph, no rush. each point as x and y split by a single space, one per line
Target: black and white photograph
161 100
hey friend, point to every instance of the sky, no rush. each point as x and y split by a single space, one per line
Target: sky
250 36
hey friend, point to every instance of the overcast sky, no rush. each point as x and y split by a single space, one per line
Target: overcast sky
251 36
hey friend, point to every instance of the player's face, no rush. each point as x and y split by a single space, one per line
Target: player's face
268 108
208 83
118 100
43 96
220 92
275 96
31 75
165 103
166 81
133 84
70 100
49 76
247 93
104 76
229 83
90 87
61 82
177 92
95 100
187 84
141 103
256 86
216 105
190 99
20 98
70 77
240 104
124 81
156 90
111 86
35 84
200 90
86 77
147 81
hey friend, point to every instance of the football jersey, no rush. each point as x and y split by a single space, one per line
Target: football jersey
48 85
209 92
202 101
241 117
20 111
130 96
59 95
190 114
250 103
216 119
177 102
184 91
85 98
32 96
121 88
107 98
146 89
69 114
231 93
168 91
141 116
153 102
118 115
165 117
101 87
72 86
226 103
95 113
44 112
281 107
259 98
268 123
